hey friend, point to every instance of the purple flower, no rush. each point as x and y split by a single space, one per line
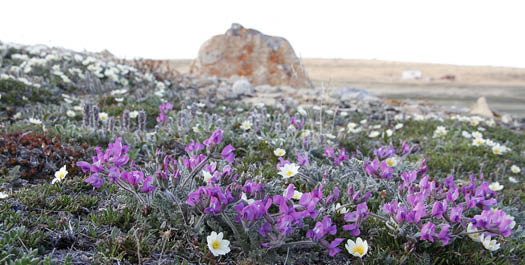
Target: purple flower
456 213
329 152
334 197
443 234
408 178
405 148
383 152
161 118
332 246
322 229
85 166
439 208
281 163
301 160
165 107
390 207
227 153
114 174
95 180
215 139
146 185
194 146
428 231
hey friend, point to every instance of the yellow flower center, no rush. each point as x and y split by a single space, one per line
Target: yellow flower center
289 173
475 235
61 175
359 249
216 244
390 163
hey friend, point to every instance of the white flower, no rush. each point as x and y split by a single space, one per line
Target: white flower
513 180
160 85
245 198
488 243
301 110
363 121
495 186
378 126
398 126
477 135
329 112
329 136
60 175
356 130
71 113
217 245
391 161
279 152
474 121
373 134
35 121
515 169
3 195
466 134
134 114
305 133
289 170
207 176
78 108
389 132
340 210
119 99
297 195
418 117
359 248
471 234
246 125
477 142
513 223
103 116
440 131
343 114
351 125
196 129
498 150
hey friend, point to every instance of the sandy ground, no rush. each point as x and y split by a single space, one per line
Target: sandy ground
504 87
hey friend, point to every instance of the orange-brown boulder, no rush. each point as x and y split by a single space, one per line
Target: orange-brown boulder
262 59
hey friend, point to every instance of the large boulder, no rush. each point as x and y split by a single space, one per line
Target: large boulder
262 59
481 107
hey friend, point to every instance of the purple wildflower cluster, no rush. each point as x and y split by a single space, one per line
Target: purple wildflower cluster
432 206
164 109
336 159
111 165
378 167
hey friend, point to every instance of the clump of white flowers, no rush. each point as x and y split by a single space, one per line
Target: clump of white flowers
440 131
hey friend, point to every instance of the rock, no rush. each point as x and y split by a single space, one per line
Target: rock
482 108
267 89
506 118
352 93
262 59
242 87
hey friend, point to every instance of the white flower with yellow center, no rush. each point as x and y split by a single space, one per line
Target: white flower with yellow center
373 134
359 248
3 195
297 195
515 169
196 129
477 142
513 180
305 133
418 117
389 132
351 125
246 125
495 186
343 114
466 134
71 114
491 123
103 116
498 150
474 121
60 175
488 243
329 112
217 245
363 121
289 170
35 121
477 135
440 131
398 126
391 161
119 99
301 110
279 152
78 108
133 114
471 233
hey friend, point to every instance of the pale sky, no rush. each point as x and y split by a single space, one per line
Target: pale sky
445 31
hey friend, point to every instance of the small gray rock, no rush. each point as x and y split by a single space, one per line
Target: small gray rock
352 93
267 89
242 87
